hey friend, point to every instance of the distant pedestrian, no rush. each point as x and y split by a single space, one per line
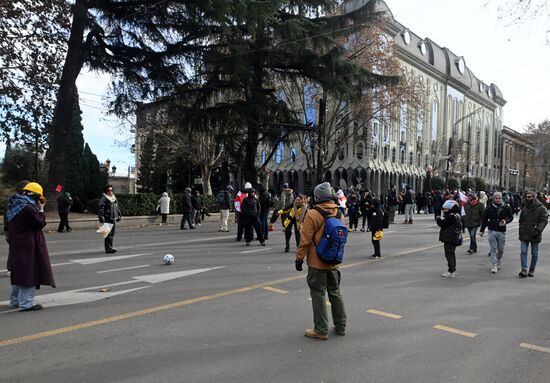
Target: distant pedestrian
64 203
239 198
437 203
354 211
495 218
408 200
187 210
393 204
250 211
376 226
197 204
321 277
224 198
365 208
30 261
532 222
266 202
283 205
294 219
472 220
108 212
164 206
483 199
450 234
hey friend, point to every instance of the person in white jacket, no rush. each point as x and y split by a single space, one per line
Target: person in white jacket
164 206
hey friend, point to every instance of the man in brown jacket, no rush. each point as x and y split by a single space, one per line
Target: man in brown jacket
321 277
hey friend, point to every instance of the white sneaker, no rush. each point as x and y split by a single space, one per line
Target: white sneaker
498 266
448 275
8 274
494 269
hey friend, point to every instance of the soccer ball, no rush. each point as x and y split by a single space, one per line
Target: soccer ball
168 259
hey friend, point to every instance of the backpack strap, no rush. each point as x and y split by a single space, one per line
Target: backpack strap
325 216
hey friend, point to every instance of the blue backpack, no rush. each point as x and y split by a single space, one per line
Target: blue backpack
330 249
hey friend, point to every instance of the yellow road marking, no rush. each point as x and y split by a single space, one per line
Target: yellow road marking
152 310
275 290
384 314
455 331
535 347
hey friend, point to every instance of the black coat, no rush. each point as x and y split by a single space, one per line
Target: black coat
377 218
186 205
449 224
250 207
532 222
64 204
409 197
196 202
493 214
108 211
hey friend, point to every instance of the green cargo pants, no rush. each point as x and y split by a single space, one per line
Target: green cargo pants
320 282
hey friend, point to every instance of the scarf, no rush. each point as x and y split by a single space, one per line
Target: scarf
111 199
17 203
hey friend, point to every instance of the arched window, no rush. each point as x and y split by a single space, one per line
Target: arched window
393 152
418 159
280 154
386 152
411 158
375 151
264 156
478 139
293 155
435 117
359 150
402 156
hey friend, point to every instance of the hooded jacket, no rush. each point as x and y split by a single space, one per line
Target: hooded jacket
312 231
474 213
164 204
532 222
449 224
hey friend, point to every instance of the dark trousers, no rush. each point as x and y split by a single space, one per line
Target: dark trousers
186 217
437 212
451 257
109 239
197 216
264 218
251 223
353 221
288 233
240 225
473 243
164 217
375 244
392 213
63 222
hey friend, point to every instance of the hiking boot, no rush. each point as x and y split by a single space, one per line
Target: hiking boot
287 249
448 274
112 251
410 221
522 274
470 252
405 222
262 243
494 270
363 230
310 333
531 273
340 331
33 308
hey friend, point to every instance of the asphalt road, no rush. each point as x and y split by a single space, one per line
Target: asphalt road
224 312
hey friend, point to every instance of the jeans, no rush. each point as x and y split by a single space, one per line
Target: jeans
534 255
320 282
22 297
451 256
409 211
186 217
473 242
497 240
264 218
224 218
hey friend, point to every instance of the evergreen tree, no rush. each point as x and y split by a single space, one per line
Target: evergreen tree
18 164
94 181
76 168
146 168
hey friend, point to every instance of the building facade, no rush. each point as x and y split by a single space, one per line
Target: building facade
517 161
461 117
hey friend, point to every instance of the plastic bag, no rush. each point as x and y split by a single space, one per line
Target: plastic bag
105 229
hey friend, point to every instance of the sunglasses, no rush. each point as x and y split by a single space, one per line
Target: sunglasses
529 197
110 190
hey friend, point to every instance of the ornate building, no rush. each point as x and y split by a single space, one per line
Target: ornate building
462 116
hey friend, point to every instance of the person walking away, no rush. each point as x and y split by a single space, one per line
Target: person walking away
294 220
495 218
450 234
64 203
164 206
408 200
365 205
322 278
239 198
437 203
30 261
196 204
483 199
187 210
224 200
108 212
532 222
376 225
266 202
392 203
473 210
354 211
250 210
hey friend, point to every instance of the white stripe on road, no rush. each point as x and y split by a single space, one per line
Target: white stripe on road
122 268
256 251
535 347
62 264
90 261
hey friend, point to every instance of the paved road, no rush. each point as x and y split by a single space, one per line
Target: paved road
229 313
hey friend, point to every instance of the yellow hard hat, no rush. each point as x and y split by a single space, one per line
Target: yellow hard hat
35 188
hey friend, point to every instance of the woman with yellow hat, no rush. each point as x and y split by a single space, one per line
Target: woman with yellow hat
30 261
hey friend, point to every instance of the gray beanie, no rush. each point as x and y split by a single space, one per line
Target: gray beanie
322 192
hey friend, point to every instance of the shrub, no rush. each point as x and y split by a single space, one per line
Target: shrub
437 183
453 184
480 184
91 205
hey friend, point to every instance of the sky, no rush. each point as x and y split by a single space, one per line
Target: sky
515 58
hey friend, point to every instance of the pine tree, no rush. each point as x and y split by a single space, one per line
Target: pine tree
76 168
94 181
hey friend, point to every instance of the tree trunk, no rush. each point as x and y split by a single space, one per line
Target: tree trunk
206 172
62 119
250 172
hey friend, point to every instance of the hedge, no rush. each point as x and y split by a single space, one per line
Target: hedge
146 203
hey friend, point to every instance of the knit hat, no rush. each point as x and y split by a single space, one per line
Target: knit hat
322 192
449 204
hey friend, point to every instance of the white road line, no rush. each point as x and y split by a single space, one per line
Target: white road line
90 261
62 264
535 347
122 268
255 251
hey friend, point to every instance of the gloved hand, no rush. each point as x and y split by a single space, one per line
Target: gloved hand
280 212
299 263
